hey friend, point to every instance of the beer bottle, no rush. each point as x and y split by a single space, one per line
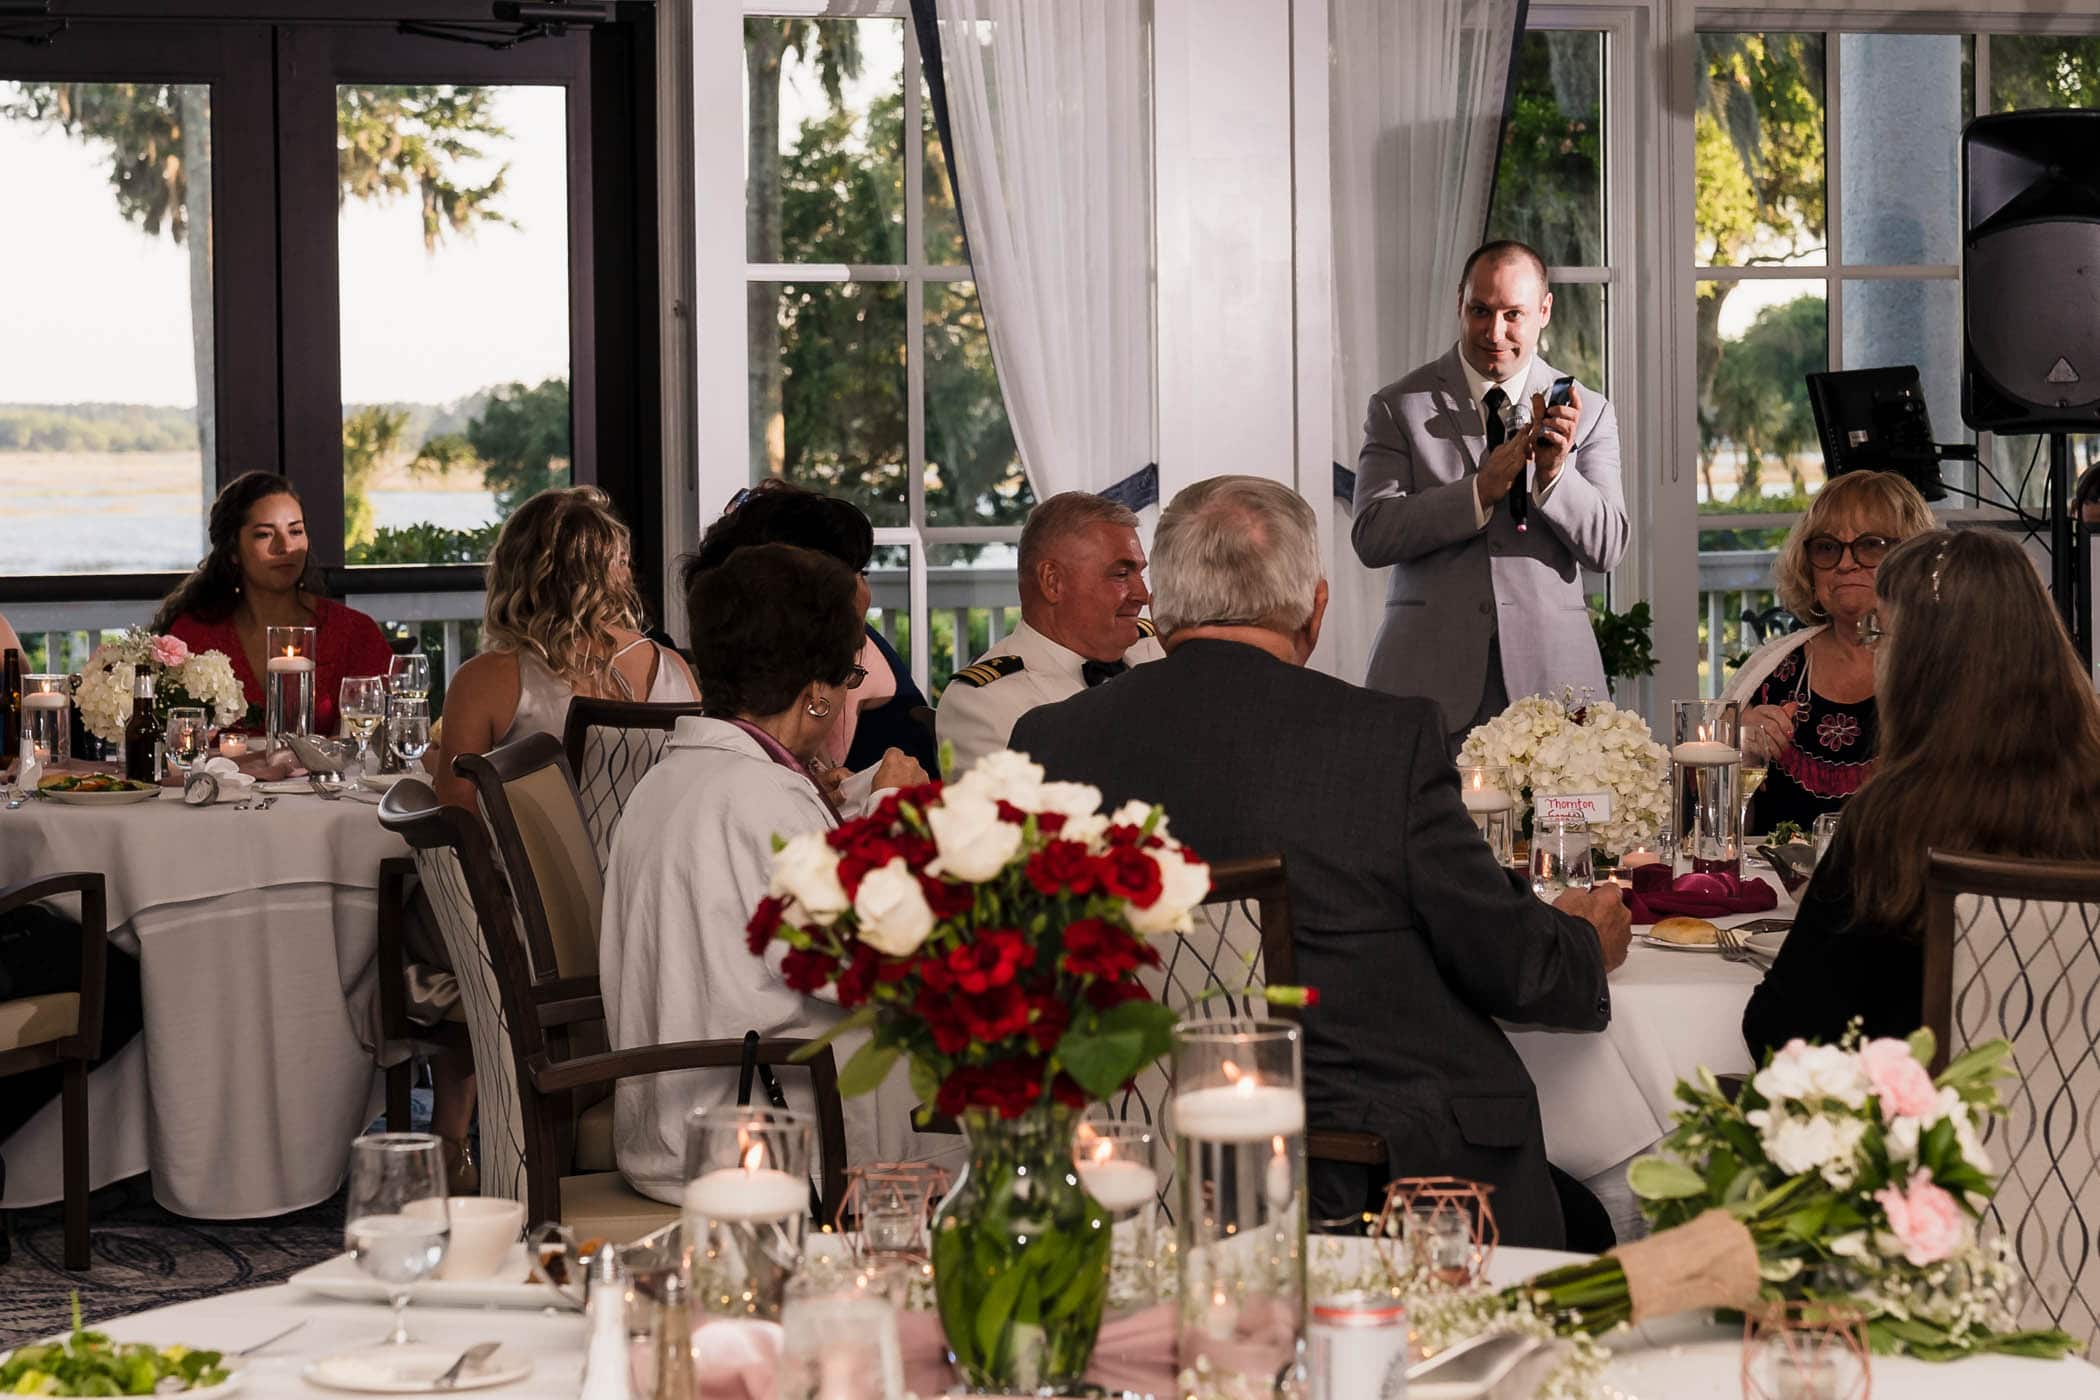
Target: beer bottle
10 703
138 731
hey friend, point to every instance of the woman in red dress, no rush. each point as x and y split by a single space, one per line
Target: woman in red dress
258 576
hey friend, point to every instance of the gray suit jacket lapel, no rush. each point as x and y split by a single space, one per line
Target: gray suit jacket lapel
1467 427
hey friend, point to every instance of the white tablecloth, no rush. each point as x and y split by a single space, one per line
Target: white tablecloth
1606 1096
255 934
1685 1359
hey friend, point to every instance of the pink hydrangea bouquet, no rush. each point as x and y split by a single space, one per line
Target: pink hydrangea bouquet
1840 1171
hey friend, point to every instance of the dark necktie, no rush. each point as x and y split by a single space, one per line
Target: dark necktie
1095 672
1493 404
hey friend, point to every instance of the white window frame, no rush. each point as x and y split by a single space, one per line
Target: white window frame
722 274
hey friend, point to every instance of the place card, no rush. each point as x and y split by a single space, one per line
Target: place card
1571 807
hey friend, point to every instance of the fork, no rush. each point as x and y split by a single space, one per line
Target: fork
1736 950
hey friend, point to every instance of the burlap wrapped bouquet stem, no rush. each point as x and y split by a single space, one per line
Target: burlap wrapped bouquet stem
1708 1262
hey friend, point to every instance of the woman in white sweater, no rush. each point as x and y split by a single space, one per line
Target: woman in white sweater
777 634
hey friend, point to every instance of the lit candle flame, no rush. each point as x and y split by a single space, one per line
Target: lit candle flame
1104 1149
755 1158
1277 1144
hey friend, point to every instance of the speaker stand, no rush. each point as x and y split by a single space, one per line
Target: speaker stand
2070 579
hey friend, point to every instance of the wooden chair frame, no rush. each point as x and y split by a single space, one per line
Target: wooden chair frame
1261 880
535 1003
72 1053
391 960
588 712
1949 874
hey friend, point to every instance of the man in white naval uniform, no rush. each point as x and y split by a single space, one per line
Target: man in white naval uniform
1082 598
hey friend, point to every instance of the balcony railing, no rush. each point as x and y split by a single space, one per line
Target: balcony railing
969 609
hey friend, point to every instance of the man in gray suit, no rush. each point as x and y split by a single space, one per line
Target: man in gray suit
1480 610
1415 937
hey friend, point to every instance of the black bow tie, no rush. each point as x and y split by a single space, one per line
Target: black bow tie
1095 672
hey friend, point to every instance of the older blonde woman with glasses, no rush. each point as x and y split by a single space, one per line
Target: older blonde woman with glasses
1808 697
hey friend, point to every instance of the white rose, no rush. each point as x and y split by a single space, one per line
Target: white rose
1804 1071
1004 775
806 870
1798 1145
1073 801
1183 884
974 843
894 916
1136 813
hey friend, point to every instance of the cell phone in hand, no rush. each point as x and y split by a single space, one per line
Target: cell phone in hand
1562 391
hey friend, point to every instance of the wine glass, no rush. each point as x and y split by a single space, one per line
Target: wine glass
362 703
184 737
408 728
1560 858
1748 781
408 676
397 1224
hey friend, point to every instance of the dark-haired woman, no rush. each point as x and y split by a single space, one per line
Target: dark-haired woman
1990 743
777 632
258 576
880 717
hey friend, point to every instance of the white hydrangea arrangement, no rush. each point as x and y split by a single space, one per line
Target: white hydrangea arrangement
1560 746
182 677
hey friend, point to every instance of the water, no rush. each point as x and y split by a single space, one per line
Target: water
1708 816
1241 1220
397 1249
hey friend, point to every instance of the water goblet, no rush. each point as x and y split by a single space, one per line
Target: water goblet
408 728
184 737
1826 830
396 1224
408 676
1560 859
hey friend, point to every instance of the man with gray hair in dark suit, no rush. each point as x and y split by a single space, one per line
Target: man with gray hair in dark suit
1415 937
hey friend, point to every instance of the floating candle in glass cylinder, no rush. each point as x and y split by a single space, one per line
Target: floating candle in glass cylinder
1238 1118
1485 790
1116 1165
746 1206
288 683
1706 758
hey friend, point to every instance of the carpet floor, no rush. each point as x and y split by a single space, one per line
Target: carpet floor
146 1257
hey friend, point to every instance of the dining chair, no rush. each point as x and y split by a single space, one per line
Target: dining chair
1240 943
2012 951
397 897
526 1085
63 1029
610 745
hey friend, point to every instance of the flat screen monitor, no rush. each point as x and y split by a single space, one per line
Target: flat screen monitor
1874 420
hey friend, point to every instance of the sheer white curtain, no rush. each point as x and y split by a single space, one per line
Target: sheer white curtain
1049 103
1416 110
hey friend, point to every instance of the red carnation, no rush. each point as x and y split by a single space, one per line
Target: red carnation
807 969
949 1034
1051 1018
1049 823
1011 814
1063 866
1104 995
1098 948
1010 1087
1124 834
765 922
946 899
1130 873
991 959
995 1015
857 978
1066 1091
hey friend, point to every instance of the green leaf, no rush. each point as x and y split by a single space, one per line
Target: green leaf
870 1065
1663 1179
1922 1043
997 1308
1150 1019
859 1020
1100 1063
925 1081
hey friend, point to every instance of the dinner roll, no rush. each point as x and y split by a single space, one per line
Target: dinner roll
1683 930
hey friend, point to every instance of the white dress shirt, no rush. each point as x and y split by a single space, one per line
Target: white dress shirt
1479 384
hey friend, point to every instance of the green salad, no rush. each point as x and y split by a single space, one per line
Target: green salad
89 1363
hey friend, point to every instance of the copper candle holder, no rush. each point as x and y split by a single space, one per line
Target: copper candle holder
887 1207
1810 1349
1438 1227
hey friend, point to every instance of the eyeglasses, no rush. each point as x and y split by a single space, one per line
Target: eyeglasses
854 676
1826 551
1871 631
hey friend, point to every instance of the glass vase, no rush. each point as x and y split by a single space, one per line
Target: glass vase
1020 1257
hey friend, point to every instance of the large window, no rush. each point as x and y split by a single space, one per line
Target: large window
371 257
869 372
1828 236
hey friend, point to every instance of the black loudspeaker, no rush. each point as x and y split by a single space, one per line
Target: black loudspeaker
2031 272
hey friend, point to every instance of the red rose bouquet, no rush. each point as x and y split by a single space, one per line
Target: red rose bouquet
990 932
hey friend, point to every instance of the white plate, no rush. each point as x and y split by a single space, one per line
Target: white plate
103 799
510 1287
286 787
409 1370
1765 944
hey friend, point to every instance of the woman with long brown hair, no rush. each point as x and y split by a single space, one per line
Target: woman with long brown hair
562 619
1990 742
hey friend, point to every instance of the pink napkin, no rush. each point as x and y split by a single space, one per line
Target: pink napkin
1654 895
736 1359
1135 1352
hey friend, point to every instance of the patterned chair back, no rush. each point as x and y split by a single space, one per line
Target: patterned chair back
466 890
529 797
2013 952
610 745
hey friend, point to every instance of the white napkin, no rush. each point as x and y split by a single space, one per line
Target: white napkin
231 778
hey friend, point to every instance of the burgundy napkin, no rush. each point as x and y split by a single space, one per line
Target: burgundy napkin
1654 895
